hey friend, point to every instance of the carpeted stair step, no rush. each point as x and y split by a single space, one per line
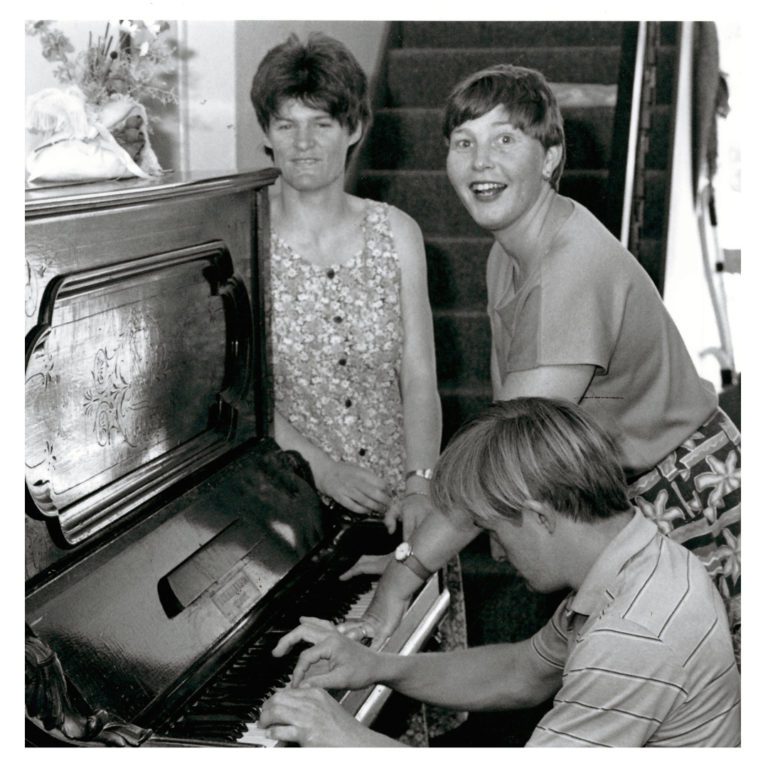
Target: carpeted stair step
461 403
456 271
410 68
462 347
476 34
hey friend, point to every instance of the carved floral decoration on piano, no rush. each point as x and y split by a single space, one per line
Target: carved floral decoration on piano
118 401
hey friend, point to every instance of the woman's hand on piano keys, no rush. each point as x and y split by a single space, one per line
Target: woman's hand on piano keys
368 565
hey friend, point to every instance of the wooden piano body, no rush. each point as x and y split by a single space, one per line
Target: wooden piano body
169 541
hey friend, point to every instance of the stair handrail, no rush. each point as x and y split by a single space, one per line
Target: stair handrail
626 101
634 132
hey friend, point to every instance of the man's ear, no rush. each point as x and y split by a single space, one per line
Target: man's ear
542 514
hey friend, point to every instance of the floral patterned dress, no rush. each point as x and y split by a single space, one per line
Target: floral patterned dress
337 347
337 343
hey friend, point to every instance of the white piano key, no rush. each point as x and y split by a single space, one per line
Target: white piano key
360 606
257 736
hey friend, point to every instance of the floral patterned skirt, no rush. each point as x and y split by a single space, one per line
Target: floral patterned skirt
694 496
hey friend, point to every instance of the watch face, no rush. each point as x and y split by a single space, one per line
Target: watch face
402 551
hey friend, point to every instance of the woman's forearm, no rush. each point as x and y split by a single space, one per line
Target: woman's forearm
422 420
435 541
289 438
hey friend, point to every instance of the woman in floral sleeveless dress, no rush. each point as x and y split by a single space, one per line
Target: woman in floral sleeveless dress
351 326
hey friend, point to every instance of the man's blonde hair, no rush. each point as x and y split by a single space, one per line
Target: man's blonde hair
530 448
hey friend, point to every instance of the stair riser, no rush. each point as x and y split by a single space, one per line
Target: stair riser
463 349
457 409
409 69
443 69
501 34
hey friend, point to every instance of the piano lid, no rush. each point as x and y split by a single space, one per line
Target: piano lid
49 199
140 342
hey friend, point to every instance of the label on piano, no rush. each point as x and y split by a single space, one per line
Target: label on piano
236 595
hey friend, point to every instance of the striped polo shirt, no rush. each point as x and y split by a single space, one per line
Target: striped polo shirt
645 652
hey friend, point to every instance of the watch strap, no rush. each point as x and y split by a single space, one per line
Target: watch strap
416 566
425 474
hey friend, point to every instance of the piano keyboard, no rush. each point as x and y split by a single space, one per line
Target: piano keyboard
416 627
227 709
256 736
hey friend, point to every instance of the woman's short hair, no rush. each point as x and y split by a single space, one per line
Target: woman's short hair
526 96
530 449
321 73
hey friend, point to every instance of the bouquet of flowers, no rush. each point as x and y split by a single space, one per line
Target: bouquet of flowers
95 126
131 62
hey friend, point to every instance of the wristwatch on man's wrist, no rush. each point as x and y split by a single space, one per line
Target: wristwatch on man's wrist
404 555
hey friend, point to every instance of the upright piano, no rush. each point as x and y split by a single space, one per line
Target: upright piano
169 541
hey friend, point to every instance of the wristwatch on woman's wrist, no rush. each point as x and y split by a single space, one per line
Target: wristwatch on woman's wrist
404 555
425 474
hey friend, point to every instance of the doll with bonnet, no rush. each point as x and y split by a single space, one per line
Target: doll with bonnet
79 141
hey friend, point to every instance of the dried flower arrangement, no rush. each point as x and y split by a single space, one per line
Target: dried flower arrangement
130 62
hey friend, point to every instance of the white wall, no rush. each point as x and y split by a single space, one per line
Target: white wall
686 293
208 85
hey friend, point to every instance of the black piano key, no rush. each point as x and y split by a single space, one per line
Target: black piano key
213 717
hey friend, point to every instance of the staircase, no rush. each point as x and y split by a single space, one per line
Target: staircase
403 163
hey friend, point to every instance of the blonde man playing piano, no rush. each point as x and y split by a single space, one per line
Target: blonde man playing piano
638 654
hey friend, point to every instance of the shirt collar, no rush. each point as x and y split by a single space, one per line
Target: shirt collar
635 535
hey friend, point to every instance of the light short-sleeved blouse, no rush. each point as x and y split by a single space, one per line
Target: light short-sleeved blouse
588 301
